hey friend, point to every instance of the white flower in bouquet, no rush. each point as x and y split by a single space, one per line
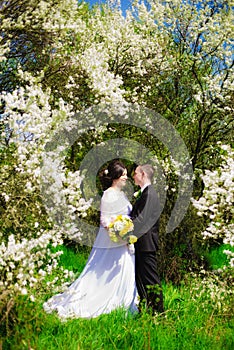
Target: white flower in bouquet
120 229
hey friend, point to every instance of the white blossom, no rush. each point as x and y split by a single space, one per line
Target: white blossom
216 203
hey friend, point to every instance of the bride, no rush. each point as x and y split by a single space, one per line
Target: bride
108 279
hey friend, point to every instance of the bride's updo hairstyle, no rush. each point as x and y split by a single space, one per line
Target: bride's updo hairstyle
114 170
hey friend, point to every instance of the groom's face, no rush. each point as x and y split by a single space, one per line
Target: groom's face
138 176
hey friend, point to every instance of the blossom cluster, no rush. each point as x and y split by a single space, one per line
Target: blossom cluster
216 202
26 259
212 289
25 264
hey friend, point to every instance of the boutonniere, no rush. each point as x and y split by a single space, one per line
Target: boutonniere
137 194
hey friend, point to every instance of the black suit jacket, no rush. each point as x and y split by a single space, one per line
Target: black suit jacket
145 215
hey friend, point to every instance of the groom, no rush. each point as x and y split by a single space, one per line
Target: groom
145 215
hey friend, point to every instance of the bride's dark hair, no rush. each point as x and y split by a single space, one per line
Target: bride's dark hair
114 170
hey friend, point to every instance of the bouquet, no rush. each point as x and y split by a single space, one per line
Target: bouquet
120 229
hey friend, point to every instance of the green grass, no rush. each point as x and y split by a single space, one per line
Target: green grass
74 258
186 324
217 258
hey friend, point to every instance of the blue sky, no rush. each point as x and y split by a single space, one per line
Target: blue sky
124 3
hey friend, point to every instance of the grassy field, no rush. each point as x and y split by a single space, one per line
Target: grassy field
192 321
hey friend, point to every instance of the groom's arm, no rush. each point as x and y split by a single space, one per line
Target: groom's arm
145 213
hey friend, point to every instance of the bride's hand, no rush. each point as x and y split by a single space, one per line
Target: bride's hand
131 249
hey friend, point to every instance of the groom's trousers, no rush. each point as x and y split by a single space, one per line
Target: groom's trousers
147 281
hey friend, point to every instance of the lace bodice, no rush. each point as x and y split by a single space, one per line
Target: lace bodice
113 203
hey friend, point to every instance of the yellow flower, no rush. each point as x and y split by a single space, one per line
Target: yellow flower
120 229
127 228
132 239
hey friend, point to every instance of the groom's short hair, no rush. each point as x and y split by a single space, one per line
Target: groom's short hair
149 170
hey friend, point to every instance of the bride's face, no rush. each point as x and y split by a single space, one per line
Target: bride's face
121 181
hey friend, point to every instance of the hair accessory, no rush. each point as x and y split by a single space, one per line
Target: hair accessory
106 171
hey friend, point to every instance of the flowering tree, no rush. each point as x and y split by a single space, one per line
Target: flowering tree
59 57
27 231
216 202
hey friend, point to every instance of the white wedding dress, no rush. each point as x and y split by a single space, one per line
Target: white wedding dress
108 279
